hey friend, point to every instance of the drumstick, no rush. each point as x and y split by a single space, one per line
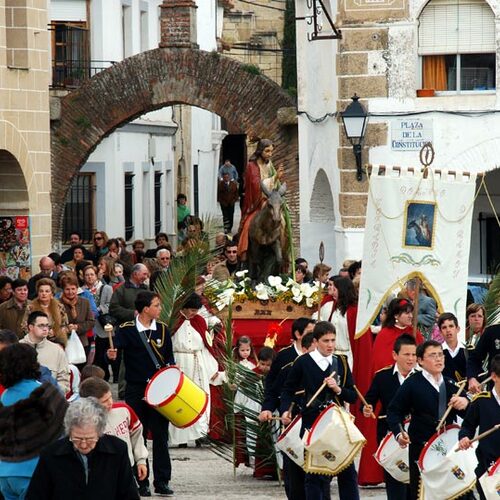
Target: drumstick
108 328
363 400
461 386
485 381
483 435
317 393
402 430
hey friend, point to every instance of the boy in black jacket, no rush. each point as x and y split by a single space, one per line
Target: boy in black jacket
425 396
484 412
309 372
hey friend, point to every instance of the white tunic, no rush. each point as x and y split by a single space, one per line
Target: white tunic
197 363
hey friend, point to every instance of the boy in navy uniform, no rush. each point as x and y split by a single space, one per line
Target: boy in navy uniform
484 412
424 396
384 386
455 353
487 347
309 372
140 366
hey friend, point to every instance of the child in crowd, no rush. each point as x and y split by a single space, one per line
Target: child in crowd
91 371
122 422
244 352
454 351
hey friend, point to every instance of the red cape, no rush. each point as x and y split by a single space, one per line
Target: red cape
384 344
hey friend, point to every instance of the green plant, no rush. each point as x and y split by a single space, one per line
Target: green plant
252 69
83 122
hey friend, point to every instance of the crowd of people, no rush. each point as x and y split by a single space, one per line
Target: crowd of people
402 371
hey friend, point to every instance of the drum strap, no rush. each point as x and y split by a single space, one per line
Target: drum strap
154 359
442 399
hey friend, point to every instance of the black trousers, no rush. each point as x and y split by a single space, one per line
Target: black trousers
317 486
395 489
294 479
413 455
158 425
228 217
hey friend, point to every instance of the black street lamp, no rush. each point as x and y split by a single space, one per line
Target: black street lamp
354 119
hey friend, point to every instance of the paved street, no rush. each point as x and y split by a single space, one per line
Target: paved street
199 473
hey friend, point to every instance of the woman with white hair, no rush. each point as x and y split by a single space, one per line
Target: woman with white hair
86 463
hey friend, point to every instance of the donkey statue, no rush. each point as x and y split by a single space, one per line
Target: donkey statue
266 237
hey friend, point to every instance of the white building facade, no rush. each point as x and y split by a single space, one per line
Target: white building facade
388 52
132 176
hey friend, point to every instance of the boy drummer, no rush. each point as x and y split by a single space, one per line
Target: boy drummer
424 396
484 412
383 388
309 372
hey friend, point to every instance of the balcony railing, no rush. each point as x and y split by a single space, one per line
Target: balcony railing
72 74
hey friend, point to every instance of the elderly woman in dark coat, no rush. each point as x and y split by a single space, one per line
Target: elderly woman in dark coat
86 464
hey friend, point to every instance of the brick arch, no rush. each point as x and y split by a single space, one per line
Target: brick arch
164 77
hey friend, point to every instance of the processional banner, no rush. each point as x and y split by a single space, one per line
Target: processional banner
416 227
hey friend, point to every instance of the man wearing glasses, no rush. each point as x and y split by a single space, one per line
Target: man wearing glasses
424 396
48 353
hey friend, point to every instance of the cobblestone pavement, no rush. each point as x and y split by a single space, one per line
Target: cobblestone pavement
199 473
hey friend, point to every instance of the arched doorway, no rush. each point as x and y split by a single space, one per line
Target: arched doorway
164 77
13 190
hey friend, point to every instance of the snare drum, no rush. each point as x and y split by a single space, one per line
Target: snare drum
446 474
290 442
333 442
393 458
490 482
176 397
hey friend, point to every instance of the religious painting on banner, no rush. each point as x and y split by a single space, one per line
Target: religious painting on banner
15 251
416 227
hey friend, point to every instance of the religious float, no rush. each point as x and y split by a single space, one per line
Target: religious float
264 312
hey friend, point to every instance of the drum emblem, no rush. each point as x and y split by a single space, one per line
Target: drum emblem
440 447
329 456
402 466
458 473
292 453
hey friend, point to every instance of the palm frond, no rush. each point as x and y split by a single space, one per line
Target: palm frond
491 302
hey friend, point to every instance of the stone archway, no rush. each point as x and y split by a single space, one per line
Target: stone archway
321 203
164 77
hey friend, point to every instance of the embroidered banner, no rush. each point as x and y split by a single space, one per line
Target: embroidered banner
416 227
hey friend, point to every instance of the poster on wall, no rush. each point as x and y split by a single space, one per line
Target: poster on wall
15 249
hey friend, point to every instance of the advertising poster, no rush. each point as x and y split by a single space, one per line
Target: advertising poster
15 250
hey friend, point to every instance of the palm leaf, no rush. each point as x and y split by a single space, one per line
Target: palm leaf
491 302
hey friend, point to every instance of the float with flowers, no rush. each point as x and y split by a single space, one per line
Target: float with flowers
264 312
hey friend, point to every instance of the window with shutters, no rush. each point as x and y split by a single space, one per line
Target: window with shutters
456 45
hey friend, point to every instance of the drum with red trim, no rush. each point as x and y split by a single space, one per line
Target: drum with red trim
290 442
446 473
393 458
490 482
333 442
176 397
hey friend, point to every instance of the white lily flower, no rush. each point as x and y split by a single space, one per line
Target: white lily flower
290 283
261 292
274 281
281 288
296 291
298 298
306 290
241 274
309 302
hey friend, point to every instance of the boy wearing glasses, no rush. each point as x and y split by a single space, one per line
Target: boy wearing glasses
424 396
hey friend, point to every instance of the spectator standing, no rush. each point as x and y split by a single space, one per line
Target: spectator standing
163 258
75 239
77 258
5 289
86 463
46 303
183 213
227 196
47 270
31 417
12 311
228 168
99 247
49 354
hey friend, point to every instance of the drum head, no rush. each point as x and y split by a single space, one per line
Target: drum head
438 447
291 427
163 385
321 423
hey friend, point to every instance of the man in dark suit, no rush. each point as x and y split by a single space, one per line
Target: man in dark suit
424 396
455 353
309 372
383 388
227 196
